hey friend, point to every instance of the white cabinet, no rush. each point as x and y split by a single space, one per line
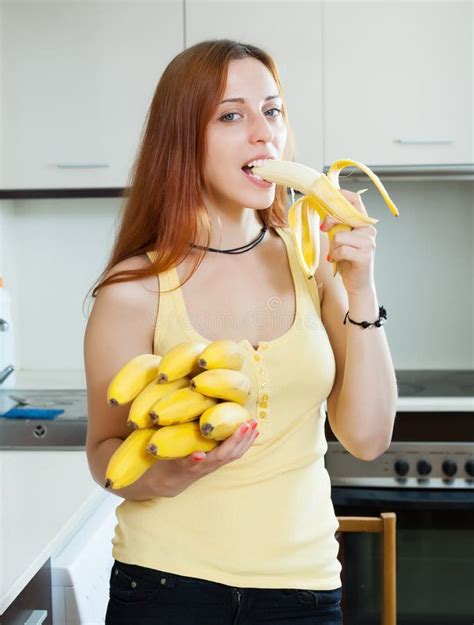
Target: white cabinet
387 83
77 82
291 33
398 82
45 497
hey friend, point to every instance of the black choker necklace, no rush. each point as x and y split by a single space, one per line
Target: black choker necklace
236 250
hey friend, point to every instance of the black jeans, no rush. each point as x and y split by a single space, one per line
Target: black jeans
143 596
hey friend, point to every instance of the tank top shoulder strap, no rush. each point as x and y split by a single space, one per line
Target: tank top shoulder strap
309 281
313 287
168 304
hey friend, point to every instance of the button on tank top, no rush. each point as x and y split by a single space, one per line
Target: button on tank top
265 520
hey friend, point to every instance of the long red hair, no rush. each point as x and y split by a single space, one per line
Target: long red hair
163 208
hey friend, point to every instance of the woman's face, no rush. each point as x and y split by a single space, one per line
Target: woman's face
239 132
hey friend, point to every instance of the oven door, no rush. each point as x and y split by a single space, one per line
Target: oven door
435 555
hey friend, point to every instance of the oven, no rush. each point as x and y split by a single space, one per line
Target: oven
427 478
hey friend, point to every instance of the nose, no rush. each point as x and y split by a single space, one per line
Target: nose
261 129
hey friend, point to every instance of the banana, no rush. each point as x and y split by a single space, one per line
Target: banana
321 198
179 361
221 421
224 384
180 406
132 379
130 460
195 370
222 354
178 441
139 415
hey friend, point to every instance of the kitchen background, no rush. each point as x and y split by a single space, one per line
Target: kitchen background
389 84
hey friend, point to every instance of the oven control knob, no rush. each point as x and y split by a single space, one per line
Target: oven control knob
401 467
424 467
450 467
469 466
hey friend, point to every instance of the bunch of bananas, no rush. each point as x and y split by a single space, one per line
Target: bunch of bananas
190 399
321 198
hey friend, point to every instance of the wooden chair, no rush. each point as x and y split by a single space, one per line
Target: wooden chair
386 526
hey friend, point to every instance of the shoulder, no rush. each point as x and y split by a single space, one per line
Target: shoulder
134 262
137 298
140 286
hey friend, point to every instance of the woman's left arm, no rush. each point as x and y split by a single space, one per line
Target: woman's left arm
362 402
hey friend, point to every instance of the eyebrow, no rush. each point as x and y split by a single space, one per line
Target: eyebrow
270 97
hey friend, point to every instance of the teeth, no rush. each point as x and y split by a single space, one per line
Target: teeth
259 163
255 176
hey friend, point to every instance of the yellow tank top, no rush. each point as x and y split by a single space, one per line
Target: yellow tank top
265 520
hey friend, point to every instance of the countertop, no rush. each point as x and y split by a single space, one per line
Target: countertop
407 379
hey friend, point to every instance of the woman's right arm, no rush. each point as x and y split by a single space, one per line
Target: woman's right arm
121 326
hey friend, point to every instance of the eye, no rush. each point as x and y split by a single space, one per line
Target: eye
223 118
274 109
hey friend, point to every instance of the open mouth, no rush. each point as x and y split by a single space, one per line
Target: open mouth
247 169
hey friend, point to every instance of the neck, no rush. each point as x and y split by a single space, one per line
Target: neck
231 229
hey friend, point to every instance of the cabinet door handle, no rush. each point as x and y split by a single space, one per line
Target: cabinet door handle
36 617
82 165
420 141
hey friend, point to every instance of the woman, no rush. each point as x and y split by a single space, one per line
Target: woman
245 533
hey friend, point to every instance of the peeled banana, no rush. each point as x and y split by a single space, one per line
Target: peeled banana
132 379
139 414
180 406
322 198
178 441
180 361
221 421
223 384
130 460
222 354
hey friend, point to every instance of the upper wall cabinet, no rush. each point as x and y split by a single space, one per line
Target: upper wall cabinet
78 79
398 82
291 33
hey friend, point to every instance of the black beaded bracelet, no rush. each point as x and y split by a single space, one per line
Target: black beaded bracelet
365 324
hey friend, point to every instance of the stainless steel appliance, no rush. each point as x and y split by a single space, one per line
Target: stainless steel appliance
427 478
66 431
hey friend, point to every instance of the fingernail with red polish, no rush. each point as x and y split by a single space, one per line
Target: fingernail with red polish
199 458
328 258
243 429
322 226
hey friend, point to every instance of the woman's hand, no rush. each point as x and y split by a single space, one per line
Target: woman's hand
180 473
353 250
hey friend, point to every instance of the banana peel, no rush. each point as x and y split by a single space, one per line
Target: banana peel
321 198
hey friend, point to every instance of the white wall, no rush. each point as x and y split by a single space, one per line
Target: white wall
54 250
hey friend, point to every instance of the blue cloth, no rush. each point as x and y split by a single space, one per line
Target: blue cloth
25 412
